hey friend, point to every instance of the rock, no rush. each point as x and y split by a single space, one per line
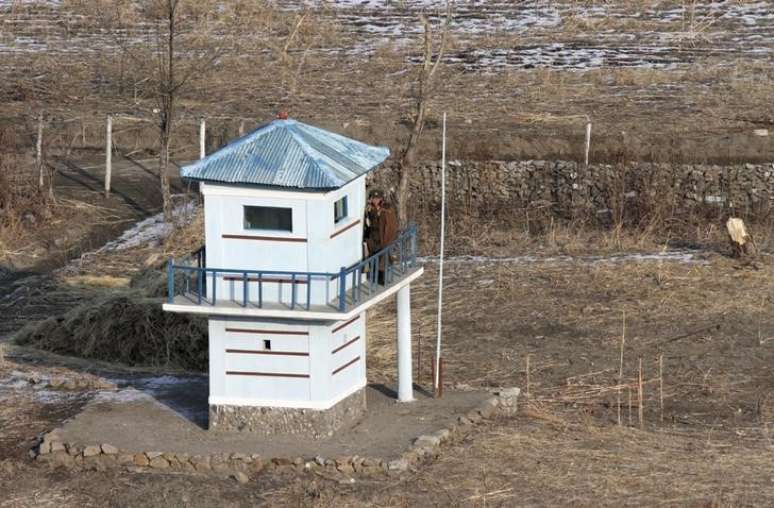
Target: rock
203 467
320 460
281 461
159 462
61 458
427 441
57 382
344 465
399 465
239 456
125 458
109 449
443 435
240 477
58 446
91 451
153 455
73 449
45 448
141 460
509 393
487 408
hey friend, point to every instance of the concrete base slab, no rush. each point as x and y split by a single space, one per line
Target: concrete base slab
135 421
269 421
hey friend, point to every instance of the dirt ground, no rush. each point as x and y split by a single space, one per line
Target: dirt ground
660 79
708 316
137 422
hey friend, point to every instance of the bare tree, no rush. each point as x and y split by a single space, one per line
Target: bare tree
182 48
172 76
425 89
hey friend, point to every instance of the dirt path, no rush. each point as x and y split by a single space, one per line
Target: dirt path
29 292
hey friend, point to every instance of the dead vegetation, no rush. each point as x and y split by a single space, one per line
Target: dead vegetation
127 328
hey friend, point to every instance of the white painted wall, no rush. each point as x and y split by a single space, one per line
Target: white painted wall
320 390
313 220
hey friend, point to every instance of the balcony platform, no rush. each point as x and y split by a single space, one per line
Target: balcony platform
188 303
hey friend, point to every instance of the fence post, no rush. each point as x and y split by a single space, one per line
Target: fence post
202 138
39 150
588 140
108 154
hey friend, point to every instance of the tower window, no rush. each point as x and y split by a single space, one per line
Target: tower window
267 345
340 210
268 217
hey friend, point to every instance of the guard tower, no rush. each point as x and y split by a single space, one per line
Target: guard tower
283 281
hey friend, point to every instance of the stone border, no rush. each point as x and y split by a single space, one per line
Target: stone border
240 466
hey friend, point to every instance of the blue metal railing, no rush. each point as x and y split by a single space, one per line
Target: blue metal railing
190 278
395 259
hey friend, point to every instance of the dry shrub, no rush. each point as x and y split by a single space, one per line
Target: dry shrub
124 327
20 198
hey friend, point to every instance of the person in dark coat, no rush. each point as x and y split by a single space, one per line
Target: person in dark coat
381 227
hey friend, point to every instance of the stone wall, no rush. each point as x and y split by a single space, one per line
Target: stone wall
266 421
571 189
53 450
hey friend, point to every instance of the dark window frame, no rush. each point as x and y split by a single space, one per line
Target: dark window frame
282 223
345 214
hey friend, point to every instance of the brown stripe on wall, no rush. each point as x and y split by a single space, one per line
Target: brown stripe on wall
337 233
345 345
345 324
264 352
354 360
264 374
265 238
267 332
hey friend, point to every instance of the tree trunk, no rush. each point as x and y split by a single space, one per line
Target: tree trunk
409 157
166 195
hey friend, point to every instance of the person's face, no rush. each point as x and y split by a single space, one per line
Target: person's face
376 202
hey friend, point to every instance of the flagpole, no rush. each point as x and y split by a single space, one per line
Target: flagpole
436 381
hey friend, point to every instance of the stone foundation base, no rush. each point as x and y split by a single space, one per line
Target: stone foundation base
267 421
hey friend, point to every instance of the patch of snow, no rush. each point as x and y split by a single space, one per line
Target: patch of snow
682 256
121 396
151 230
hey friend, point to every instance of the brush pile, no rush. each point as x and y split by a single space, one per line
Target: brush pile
125 327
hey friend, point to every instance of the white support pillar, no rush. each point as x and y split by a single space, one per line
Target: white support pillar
405 381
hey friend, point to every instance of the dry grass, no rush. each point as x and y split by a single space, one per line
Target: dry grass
567 316
526 463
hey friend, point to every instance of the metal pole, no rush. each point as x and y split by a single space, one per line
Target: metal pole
108 153
436 379
202 138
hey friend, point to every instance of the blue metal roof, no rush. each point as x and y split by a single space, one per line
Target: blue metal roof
288 153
